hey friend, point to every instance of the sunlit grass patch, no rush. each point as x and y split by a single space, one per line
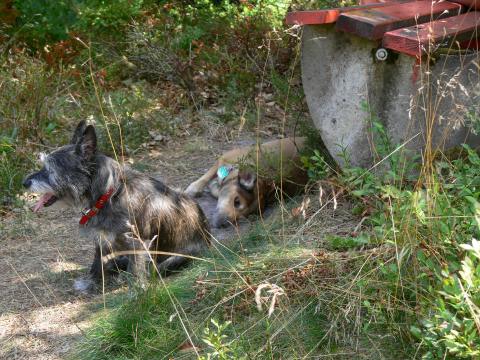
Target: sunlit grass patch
140 327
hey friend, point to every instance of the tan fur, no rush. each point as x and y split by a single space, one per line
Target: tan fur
275 164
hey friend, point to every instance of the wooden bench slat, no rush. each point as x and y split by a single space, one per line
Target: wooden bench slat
470 4
373 23
419 40
368 2
330 16
313 17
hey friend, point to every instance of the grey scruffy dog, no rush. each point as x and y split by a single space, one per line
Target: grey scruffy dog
128 210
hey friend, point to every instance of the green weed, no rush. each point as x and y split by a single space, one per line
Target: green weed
452 329
218 346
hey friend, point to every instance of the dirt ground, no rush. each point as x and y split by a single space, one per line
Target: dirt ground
42 254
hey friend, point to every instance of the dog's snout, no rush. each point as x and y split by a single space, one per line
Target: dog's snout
27 183
220 221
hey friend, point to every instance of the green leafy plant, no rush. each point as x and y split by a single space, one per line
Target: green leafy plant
42 21
104 15
316 166
218 345
452 329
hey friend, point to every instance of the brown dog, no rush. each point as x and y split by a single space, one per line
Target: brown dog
245 179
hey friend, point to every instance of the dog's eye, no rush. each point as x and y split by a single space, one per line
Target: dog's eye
237 202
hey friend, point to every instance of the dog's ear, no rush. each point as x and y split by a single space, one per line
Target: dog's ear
87 145
247 180
78 133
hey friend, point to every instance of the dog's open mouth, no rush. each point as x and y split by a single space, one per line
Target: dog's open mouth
45 200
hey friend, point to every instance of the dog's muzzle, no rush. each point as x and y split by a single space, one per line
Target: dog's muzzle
220 221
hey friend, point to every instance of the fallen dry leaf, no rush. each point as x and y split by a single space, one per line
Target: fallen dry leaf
187 346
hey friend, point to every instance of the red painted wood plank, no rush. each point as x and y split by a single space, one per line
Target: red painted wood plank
367 2
420 39
329 16
373 23
470 4
312 17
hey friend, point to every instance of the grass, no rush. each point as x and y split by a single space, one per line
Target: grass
139 328
308 320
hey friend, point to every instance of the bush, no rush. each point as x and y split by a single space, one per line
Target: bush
102 16
42 21
206 47
430 227
452 328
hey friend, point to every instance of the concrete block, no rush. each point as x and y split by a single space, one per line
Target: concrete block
339 72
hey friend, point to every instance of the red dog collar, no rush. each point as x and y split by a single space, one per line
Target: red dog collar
89 213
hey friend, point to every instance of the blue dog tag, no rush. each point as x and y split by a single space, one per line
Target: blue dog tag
223 171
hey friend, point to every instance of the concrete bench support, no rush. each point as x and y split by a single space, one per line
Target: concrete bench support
339 71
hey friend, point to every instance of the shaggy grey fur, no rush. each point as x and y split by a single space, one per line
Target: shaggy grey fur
142 213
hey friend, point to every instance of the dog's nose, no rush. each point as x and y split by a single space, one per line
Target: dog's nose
27 183
220 221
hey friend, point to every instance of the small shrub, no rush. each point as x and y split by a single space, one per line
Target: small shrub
452 328
42 21
316 166
154 60
218 346
104 15
206 48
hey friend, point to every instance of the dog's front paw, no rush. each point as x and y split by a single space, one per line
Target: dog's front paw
83 285
193 190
